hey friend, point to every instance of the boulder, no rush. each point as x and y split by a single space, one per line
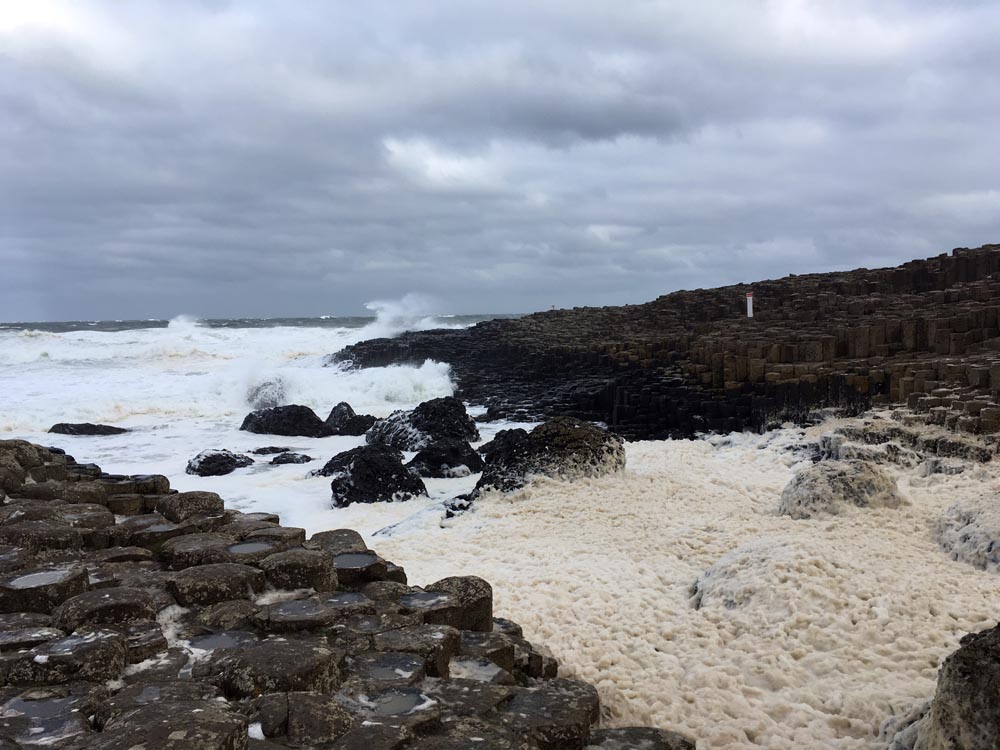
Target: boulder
446 458
969 531
114 606
344 421
556 714
437 419
368 474
965 712
291 458
563 447
286 420
831 487
216 463
86 428
210 584
183 505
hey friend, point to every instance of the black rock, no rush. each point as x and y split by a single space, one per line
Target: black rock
215 463
344 421
291 458
369 474
286 420
269 450
433 420
447 458
86 428
503 440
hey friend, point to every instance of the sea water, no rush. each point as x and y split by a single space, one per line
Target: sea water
812 634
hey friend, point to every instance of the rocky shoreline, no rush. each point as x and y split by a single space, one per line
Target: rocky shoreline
925 333
132 615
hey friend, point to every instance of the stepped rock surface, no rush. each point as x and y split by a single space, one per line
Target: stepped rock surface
926 333
176 623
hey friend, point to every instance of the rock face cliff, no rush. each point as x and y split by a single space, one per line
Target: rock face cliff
926 333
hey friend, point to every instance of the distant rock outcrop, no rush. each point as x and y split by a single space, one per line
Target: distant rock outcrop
85 428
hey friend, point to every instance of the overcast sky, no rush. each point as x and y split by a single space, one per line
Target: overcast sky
300 158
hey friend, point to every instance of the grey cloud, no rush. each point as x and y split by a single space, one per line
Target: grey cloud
264 158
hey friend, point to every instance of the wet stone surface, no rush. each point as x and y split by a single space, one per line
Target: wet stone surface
136 618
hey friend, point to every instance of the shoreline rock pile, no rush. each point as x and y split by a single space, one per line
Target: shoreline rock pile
132 615
926 333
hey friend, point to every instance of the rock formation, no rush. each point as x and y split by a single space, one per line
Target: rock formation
135 616
926 333
437 419
830 487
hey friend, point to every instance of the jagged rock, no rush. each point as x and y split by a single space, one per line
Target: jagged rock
86 428
174 725
969 531
371 473
475 597
268 394
966 709
291 458
116 606
562 447
446 458
300 569
436 643
834 486
216 463
211 584
304 718
630 738
437 419
343 420
273 666
286 420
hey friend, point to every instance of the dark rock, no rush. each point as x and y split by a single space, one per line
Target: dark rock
375 736
41 535
464 698
145 639
273 666
338 541
359 568
343 421
85 428
297 615
629 738
291 458
227 615
211 584
437 419
195 549
115 606
94 654
314 719
409 707
133 696
436 643
446 458
46 716
966 708
216 463
493 647
562 447
371 473
475 597
270 450
41 589
472 733
24 638
174 725
286 420
373 670
300 569
557 714
183 505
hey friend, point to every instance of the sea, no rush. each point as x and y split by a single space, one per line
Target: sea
813 633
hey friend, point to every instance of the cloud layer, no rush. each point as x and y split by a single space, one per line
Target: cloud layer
267 158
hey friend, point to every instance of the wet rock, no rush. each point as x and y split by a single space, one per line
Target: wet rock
216 463
86 428
144 639
630 738
297 615
436 643
563 447
969 531
270 450
410 707
184 505
480 670
174 725
557 714
41 589
359 568
374 670
211 584
493 647
338 541
252 551
94 654
831 487
374 736
300 569
227 615
41 535
471 734
371 473
465 698
475 597
24 638
343 420
304 718
104 607
151 693
286 420
446 458
385 591
291 458
507 627
350 604
966 708
433 420
195 549
124 554
46 716
273 666
283 536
